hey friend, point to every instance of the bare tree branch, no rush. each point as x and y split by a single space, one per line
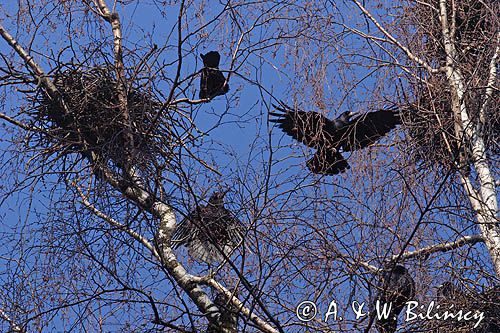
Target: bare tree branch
443 247
393 40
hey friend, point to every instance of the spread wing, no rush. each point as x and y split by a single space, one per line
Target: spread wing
368 128
186 230
221 233
306 127
208 231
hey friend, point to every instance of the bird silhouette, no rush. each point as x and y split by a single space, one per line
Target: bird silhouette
348 132
396 287
213 83
209 232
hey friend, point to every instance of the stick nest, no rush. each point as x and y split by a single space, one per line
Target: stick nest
487 302
95 126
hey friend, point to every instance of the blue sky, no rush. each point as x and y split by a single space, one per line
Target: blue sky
322 70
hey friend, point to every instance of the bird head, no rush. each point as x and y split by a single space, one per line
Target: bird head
211 59
217 198
340 122
447 290
399 269
391 270
346 116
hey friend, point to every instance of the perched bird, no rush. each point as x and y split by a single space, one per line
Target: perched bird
348 132
396 287
449 293
208 231
488 302
213 83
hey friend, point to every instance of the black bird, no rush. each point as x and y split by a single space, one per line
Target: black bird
348 132
396 287
209 230
449 293
213 83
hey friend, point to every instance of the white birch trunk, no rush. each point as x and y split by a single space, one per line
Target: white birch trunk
484 199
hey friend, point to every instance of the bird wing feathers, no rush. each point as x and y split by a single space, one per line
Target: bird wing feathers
207 231
183 233
306 127
368 128
331 137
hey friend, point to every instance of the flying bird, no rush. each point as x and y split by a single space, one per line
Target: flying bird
348 132
396 287
209 231
213 83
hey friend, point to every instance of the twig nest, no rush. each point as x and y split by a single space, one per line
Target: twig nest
94 124
435 130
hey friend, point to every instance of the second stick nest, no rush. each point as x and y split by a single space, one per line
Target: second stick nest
436 128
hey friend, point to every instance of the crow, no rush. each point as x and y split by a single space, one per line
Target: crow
209 231
348 132
213 83
396 287
449 292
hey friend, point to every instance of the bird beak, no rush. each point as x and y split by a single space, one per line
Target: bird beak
352 114
202 56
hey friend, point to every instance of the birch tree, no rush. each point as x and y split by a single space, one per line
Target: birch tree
91 198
